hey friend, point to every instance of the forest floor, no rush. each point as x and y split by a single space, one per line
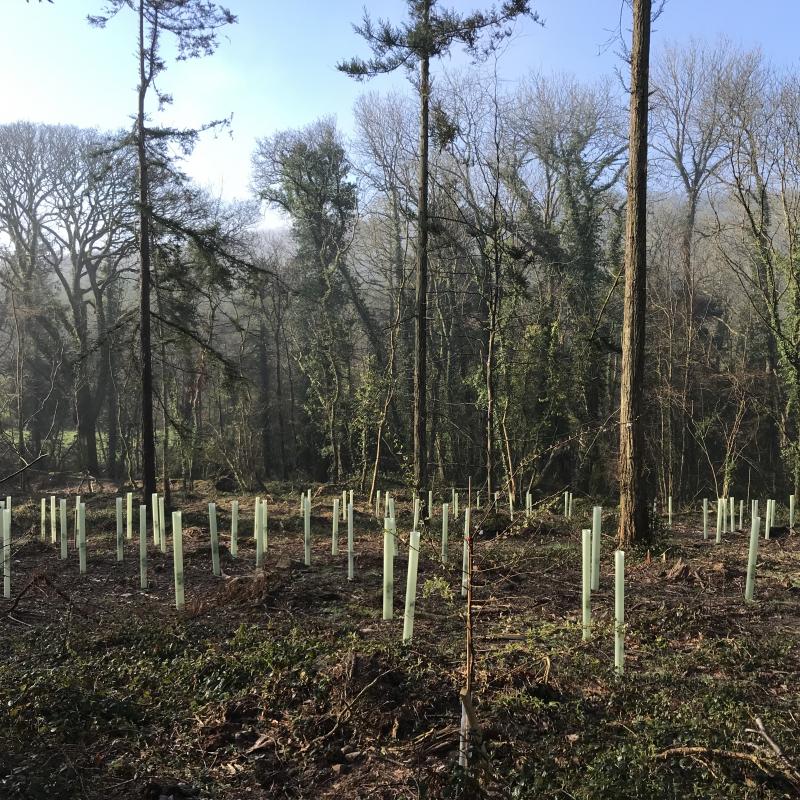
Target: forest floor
288 684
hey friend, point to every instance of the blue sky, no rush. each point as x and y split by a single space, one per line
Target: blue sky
275 69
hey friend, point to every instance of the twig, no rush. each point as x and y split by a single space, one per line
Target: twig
790 768
732 754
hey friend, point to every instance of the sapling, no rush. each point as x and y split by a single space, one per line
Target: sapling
705 518
619 612
7 553
445 513
52 518
388 570
465 555
43 534
119 529
212 524
350 541
597 515
64 534
235 528
162 525
335 531
129 514
752 555
82 538
307 533
411 587
177 558
587 582
143 546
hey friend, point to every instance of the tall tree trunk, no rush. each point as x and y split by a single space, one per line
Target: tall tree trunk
145 356
633 516
421 331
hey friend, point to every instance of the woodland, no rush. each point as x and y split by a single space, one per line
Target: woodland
572 307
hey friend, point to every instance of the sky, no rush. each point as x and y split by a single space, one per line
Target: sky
275 69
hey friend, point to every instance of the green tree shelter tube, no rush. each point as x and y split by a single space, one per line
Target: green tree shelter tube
6 553
64 532
350 554
587 582
177 558
411 588
619 612
82 538
235 528
129 514
120 551
752 556
597 517
445 523
388 569
143 545
335 529
212 524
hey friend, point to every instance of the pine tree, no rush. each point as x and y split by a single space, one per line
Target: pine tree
194 25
